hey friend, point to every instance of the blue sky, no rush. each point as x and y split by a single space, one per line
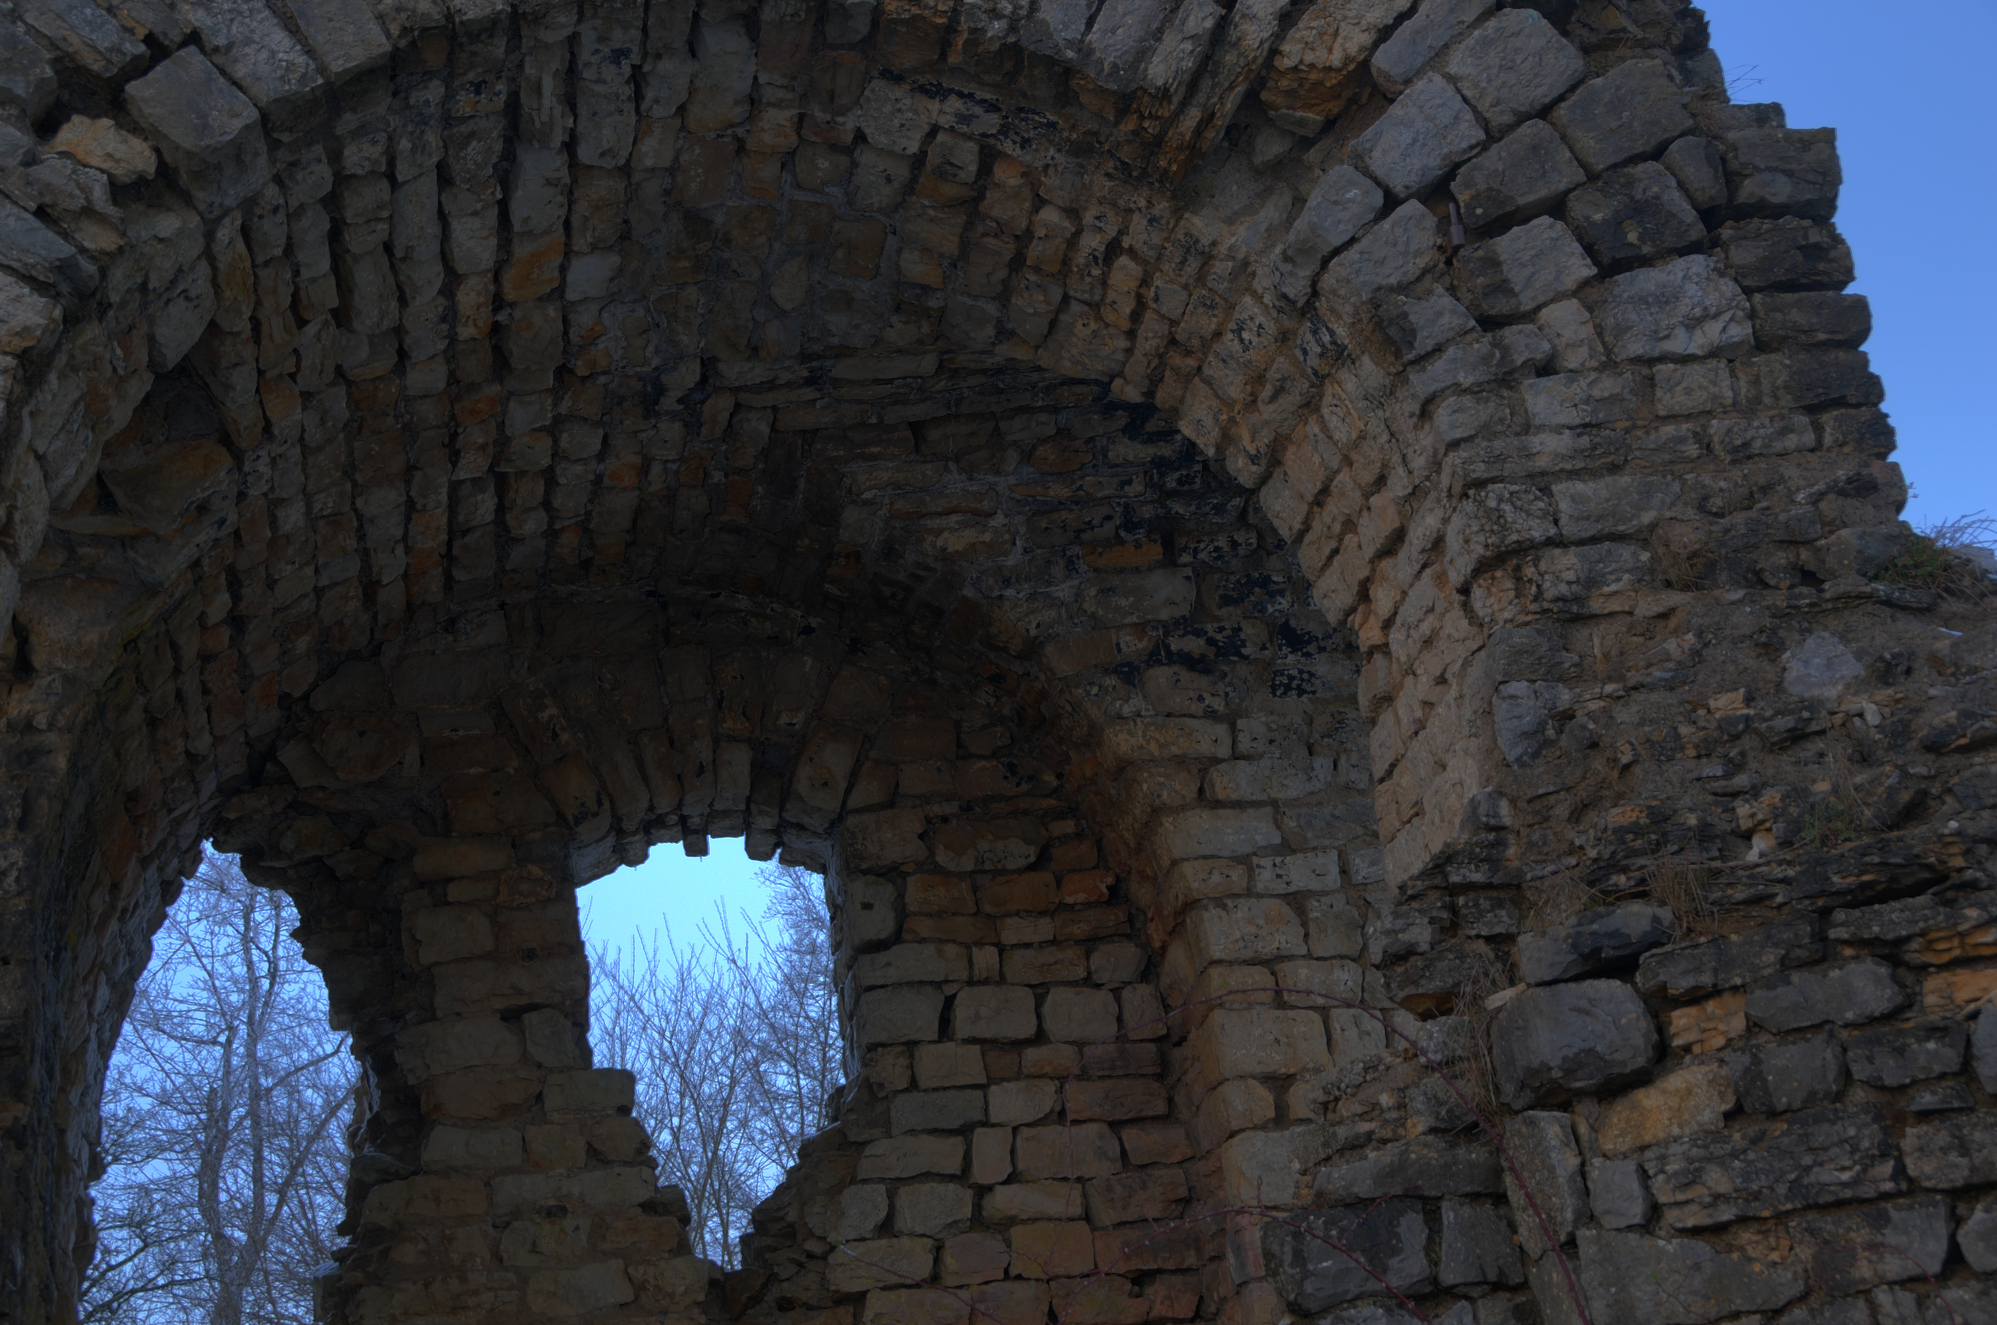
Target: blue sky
675 889
1907 89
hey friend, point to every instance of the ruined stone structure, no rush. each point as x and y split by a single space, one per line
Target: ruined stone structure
1232 536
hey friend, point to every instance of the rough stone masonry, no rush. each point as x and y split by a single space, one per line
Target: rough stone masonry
1245 542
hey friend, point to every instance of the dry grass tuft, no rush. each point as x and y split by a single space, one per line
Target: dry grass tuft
1685 887
1943 559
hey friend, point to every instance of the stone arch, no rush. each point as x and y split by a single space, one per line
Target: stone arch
1161 399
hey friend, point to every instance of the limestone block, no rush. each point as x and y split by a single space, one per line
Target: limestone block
1425 1166
1517 178
1783 172
1300 871
342 35
1541 1146
1397 252
1957 1152
1316 69
1016 1102
437 1047
1686 1103
87 35
1513 66
1787 254
1574 1038
1634 214
1259 1042
1894 1056
1342 201
1242 929
1631 111
1878 1244
1696 164
1420 325
1682 310
1081 1150
1571 333
935 1110
570 1292
989 844
1848 993
1691 969
1388 1239
1617 1193
1977 1236
1521 270
1693 388
27 80
1821 1156
102 145
260 56
210 134
1983 1042
908 963
1336 926
932 1209
1421 38
1496 520
1818 318
471 1148
948 1064
1048 1249
1629 1276
1128 1198
898 1014
1079 1016
1422 135
1192 833
423 1199
1787 1074
1265 1169
992 1012
1477 1246
724 70
911 1156
1617 508
854 1267
1035 1200
448 933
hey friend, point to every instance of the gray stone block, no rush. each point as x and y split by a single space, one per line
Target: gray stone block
1571 1039
1799 376
27 79
1395 253
1522 270
209 133
1425 1166
1784 172
1977 1236
1423 135
1957 1152
1579 400
1877 1244
1695 164
1814 318
1571 333
1617 1194
1388 1238
260 56
1896 1056
1848 993
1593 939
1788 254
87 35
342 34
1813 1157
1461 366
1477 1246
1687 309
1541 1146
1631 111
1512 66
1342 201
1788 1074
1421 39
1634 214
1681 1281
1519 177
33 249
1983 1042
1420 324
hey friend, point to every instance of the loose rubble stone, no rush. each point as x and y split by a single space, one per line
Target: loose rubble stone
1878 1244
1592 940
1425 1166
1690 1101
1617 1193
1477 1246
1956 1152
1977 1236
1388 1238
1691 969
1541 1146
1678 1281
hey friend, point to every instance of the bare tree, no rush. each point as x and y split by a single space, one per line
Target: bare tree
225 1164
736 1048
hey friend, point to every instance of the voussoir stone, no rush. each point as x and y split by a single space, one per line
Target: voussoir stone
1634 214
1521 270
210 134
1522 175
1512 66
1631 111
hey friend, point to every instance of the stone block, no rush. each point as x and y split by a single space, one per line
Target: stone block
1848 993
1787 1074
1691 1101
1783 172
932 1209
261 57
1877 1244
1695 163
912 1156
27 79
1397 252
1541 1147
993 1012
1194 833
1692 388
1680 1281
1977 1237
87 35
1259 1042
1342 201
1634 214
1513 66
1423 135
1521 176
1080 1150
1129 1198
1521 270
909 963
1618 508
1336 927
1596 938
1811 318
1956 1152
1385 1240
935 1110
854 1267
1079 1016
1691 969
1579 400
1983 1043
1421 39
1015 1102
1242 929
1813 1157
1895 1056
1050 1249
899 1014
1686 309
1555 1040
1419 325
1631 111
1478 1246
1617 1193
1299 872
342 35
1787 254
1427 1166
210 133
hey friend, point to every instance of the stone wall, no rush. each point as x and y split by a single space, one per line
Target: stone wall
1306 571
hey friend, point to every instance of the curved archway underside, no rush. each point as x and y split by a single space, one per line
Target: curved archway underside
1230 535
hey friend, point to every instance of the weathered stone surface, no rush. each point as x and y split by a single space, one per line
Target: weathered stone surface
1426 1166
1695 163
1389 1239
1677 1281
1555 1040
1955 1152
1691 969
1617 1194
1521 270
1421 137
87 35
1788 1074
26 78
1682 310
1421 38
1628 112
1553 1200
1593 939
1318 66
1977 1236
1340 203
1813 1157
1517 178
209 133
1896 1056
1512 66
1477 1246
1877 1244
1690 1101
1399 251
1783 172
1848 993
1634 214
